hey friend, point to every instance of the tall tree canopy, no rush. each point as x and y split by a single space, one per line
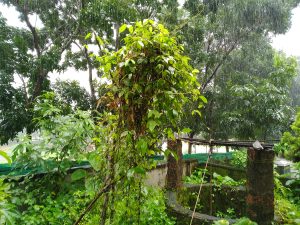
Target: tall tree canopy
59 42
229 42
70 31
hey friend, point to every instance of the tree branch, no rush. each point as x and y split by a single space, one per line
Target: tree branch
218 66
32 29
25 89
90 68
91 204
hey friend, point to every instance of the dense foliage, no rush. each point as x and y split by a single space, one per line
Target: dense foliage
63 137
150 81
290 141
146 89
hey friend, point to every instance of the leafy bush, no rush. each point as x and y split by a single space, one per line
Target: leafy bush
51 199
239 158
152 209
230 213
62 138
195 177
291 140
220 180
8 214
294 185
287 212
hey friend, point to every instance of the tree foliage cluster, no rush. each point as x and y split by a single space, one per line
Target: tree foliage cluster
241 73
151 91
150 80
217 35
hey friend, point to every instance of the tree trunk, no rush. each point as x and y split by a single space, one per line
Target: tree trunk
104 209
90 69
174 171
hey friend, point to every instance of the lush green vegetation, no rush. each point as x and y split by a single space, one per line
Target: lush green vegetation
290 141
155 70
286 195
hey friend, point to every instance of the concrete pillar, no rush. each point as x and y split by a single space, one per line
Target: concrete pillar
174 166
260 185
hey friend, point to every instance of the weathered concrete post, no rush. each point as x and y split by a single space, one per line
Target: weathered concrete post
174 168
260 185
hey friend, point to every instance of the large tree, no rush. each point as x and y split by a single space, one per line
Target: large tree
58 42
251 95
213 32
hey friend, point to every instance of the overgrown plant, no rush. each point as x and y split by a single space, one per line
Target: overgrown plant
239 158
291 140
62 137
219 180
150 81
50 199
196 177
287 212
8 213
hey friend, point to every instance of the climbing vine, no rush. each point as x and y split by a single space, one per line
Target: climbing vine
149 82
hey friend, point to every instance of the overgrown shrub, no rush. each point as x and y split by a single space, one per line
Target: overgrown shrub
8 214
239 158
291 141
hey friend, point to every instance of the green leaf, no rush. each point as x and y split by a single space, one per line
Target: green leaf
95 160
139 170
195 71
124 134
196 112
186 130
142 145
203 99
78 174
130 28
168 152
151 124
122 28
153 113
88 36
100 41
175 113
5 156
221 222
170 134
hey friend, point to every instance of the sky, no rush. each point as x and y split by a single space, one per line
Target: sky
289 43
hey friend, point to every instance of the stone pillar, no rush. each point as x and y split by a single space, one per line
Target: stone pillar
174 166
260 186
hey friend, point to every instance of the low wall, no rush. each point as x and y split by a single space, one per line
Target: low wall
183 215
225 197
157 176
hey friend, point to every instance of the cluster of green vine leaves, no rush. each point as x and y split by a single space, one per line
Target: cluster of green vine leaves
150 80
